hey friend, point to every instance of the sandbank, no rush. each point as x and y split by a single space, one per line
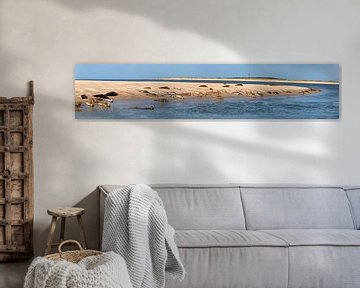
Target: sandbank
171 91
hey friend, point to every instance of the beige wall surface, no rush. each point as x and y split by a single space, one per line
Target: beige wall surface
42 40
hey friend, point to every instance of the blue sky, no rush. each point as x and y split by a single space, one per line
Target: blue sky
154 71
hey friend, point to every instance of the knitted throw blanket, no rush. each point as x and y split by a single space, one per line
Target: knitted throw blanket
104 271
136 227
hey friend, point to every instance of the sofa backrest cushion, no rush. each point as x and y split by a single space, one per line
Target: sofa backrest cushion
202 207
354 198
296 208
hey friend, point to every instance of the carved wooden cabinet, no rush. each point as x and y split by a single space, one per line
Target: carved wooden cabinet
16 177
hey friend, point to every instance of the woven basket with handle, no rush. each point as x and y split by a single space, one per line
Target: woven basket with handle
72 256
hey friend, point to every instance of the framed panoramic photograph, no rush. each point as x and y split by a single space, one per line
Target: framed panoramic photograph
207 91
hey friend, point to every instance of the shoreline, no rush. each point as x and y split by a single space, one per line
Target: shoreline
86 92
265 80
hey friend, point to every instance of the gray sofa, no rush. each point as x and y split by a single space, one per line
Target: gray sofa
263 236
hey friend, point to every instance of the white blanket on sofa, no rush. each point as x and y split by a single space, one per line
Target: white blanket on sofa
136 227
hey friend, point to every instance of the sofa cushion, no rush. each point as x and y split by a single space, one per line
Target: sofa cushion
220 267
296 208
317 237
322 258
192 208
226 238
324 266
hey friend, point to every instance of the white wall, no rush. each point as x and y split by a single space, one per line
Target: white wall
42 40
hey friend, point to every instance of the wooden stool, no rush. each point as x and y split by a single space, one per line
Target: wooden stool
64 213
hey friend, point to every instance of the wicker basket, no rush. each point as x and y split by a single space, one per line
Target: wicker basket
72 256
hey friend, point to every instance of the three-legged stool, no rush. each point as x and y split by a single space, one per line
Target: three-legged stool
64 213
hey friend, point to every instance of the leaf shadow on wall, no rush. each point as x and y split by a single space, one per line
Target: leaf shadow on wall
253 28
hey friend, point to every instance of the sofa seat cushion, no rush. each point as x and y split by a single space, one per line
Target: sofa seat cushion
323 258
317 237
225 238
225 267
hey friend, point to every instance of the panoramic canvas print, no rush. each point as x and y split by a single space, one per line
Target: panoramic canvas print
207 91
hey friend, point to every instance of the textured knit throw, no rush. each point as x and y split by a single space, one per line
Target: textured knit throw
103 271
136 227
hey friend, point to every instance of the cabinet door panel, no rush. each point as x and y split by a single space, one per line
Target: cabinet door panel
17 188
16 118
16 183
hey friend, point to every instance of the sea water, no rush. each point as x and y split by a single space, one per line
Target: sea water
323 105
